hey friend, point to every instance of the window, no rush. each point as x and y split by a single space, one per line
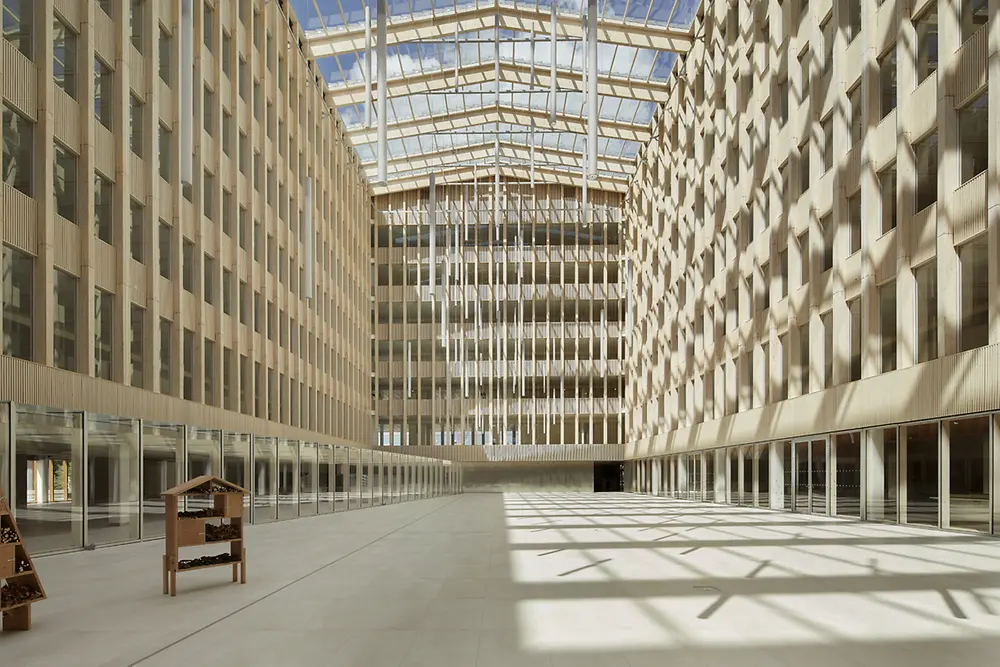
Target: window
826 225
209 368
136 317
244 302
857 120
18 149
227 212
227 291
804 359
271 254
208 196
64 182
17 15
805 252
827 125
804 167
243 230
974 293
209 280
208 112
135 124
163 47
826 320
227 133
782 102
227 58
783 273
887 195
103 208
64 320
136 241
208 25
188 352
103 326
244 384
888 81
187 265
258 100
973 136
166 256
270 321
258 242
18 301
887 325
227 376
244 156
242 75
927 43
103 93
827 28
975 14
854 223
135 12
926 278
852 22
63 55
165 143
805 59
258 314
854 313
926 155
166 375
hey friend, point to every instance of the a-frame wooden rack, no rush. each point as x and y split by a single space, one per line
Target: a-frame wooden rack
193 528
21 587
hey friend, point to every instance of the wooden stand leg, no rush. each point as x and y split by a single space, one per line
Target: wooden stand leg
243 568
173 584
235 567
17 619
166 574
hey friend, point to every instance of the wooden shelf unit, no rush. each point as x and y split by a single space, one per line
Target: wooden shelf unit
16 615
190 531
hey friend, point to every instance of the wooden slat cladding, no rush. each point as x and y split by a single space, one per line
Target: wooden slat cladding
20 219
70 12
67 117
968 209
68 248
27 382
972 71
20 82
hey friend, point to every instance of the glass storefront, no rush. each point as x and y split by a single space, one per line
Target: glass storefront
933 473
47 477
112 480
77 479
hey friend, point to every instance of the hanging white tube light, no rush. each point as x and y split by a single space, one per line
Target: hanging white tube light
432 244
552 65
532 153
383 149
592 85
458 56
308 232
187 93
368 66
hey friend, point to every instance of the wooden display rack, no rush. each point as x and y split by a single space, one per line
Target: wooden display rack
191 531
17 573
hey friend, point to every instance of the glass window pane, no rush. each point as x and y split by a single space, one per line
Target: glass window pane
236 460
968 468
325 478
848 474
204 457
48 452
18 149
974 293
883 475
265 453
922 492
64 320
112 479
162 455
288 458
308 469
18 282
341 478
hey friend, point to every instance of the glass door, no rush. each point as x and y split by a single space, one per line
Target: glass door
817 477
800 452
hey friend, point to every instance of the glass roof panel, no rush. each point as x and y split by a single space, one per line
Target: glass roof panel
439 56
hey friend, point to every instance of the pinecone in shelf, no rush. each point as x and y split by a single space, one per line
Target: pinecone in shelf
207 560
7 535
226 531
14 593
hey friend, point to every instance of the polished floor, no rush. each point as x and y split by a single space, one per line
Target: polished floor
536 579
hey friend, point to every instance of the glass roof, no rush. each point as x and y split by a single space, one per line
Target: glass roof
345 70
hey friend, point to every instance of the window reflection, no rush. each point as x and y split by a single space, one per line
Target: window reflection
848 474
288 479
265 453
162 466
922 474
48 464
883 475
968 465
112 479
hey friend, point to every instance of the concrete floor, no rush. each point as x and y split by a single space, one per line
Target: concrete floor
536 579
